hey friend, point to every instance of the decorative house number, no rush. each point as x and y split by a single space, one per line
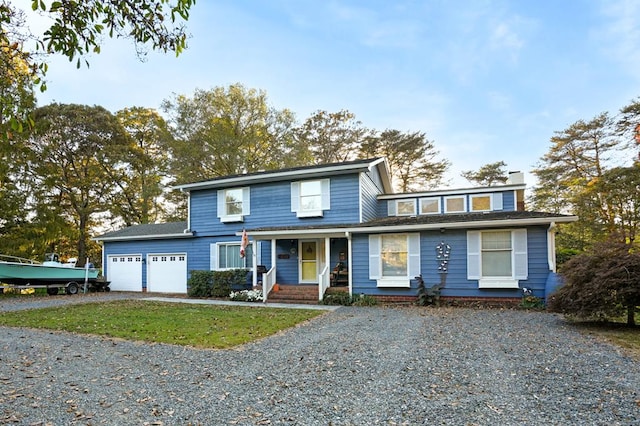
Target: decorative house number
443 253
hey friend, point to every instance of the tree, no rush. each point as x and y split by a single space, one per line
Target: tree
139 199
77 30
628 124
602 284
577 159
487 175
227 131
411 157
74 154
332 137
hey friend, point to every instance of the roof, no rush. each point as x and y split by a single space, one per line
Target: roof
304 172
148 231
427 222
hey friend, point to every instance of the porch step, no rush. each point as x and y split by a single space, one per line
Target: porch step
295 293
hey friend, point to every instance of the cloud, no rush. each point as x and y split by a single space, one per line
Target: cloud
619 33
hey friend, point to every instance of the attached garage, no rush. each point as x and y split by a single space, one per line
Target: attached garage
125 272
167 273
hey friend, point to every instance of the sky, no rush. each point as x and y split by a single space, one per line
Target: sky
485 80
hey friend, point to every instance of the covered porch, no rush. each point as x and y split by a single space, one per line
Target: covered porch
303 259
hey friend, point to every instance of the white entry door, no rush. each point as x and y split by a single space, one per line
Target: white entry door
308 261
167 273
124 271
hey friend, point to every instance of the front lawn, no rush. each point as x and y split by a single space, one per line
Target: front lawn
202 326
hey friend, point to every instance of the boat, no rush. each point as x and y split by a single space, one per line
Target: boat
51 274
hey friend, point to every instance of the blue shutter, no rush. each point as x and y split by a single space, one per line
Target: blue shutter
374 257
246 202
473 255
497 201
414 255
295 196
221 203
325 186
520 258
391 207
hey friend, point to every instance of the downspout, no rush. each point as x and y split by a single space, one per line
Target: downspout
347 234
551 246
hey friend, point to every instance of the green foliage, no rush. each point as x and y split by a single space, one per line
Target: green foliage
601 284
200 326
529 301
428 295
487 175
344 299
565 254
364 300
200 284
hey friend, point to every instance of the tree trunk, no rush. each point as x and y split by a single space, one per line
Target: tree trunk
631 315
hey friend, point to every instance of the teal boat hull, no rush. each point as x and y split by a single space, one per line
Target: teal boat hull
34 274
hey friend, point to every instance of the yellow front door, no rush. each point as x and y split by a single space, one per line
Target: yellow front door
308 262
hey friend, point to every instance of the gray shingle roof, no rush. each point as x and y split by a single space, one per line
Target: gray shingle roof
146 231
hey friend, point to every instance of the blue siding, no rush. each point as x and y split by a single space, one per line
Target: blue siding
369 190
457 284
509 201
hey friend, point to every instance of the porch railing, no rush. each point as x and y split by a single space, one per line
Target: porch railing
268 281
323 283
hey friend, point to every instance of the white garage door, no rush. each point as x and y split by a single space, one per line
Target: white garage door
167 273
125 272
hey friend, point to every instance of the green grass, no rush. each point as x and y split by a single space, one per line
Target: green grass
202 326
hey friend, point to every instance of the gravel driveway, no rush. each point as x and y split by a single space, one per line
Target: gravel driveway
352 366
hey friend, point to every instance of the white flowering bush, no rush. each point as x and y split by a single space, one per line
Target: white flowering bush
246 296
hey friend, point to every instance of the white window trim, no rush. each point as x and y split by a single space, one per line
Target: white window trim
413 262
473 197
325 198
464 203
214 262
412 201
222 205
519 260
436 199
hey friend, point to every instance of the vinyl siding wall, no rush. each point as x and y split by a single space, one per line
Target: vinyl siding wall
370 188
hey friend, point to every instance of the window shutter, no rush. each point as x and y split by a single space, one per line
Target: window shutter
295 196
325 185
213 257
473 255
520 258
374 257
414 255
497 201
246 203
221 203
391 207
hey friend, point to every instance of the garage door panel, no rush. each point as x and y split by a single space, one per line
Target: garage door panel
167 273
125 272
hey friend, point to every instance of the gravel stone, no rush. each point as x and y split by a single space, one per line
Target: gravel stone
352 366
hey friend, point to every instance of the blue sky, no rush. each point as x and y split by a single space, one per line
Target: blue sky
486 80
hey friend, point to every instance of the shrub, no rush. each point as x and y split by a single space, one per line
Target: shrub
428 296
200 284
529 301
364 300
343 299
246 296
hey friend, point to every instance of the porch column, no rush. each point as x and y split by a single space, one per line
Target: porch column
350 263
273 254
327 252
254 256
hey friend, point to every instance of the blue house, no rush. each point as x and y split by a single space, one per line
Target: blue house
342 225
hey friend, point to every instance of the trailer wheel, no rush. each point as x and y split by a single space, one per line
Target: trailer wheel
72 288
106 288
52 291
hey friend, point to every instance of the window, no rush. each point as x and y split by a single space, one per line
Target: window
456 204
429 205
480 203
227 256
497 259
406 207
394 259
233 204
310 198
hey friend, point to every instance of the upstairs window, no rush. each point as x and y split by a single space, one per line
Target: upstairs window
310 198
481 203
406 207
456 204
429 205
233 204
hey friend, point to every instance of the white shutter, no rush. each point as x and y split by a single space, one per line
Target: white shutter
391 207
213 257
520 258
414 255
295 196
497 201
246 202
473 255
374 257
325 185
221 203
